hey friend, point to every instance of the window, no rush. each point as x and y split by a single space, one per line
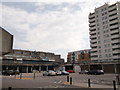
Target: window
109 55
98 42
98 37
99 51
100 56
98 29
106 55
98 33
106 50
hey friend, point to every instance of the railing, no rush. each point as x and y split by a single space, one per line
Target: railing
99 61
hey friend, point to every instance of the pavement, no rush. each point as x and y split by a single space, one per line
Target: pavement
85 85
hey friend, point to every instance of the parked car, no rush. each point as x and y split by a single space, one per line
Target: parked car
95 72
49 73
83 72
58 73
65 73
71 71
17 72
8 72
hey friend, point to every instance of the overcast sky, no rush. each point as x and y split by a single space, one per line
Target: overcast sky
58 26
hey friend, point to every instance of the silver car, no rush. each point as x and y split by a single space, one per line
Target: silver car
49 73
58 73
65 73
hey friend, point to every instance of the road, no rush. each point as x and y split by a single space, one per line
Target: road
48 82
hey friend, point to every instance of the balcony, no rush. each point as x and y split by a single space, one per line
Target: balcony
116 51
92 25
111 7
92 33
114 21
114 26
94 50
115 41
93 46
113 16
92 29
112 12
115 36
91 15
116 56
92 20
114 32
93 41
115 47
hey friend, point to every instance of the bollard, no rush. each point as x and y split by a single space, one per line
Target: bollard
89 83
114 84
34 75
67 78
21 76
70 80
9 88
118 80
15 74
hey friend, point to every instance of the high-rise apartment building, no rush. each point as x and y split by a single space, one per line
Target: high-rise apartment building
104 27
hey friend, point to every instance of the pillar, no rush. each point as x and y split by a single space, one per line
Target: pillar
18 68
27 69
102 67
7 68
47 68
39 68
115 68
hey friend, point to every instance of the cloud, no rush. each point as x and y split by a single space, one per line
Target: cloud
56 27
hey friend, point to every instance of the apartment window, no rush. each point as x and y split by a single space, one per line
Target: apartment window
106 25
99 51
109 55
105 45
106 55
99 46
98 24
105 17
109 50
97 20
98 37
103 27
98 33
98 42
105 50
104 41
98 29
103 22
100 56
102 9
102 14
105 12
102 18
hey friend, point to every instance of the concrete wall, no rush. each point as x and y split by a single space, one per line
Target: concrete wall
6 41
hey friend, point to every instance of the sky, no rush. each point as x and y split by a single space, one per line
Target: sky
57 26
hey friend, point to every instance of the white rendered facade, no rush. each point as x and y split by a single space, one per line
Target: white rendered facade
104 27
